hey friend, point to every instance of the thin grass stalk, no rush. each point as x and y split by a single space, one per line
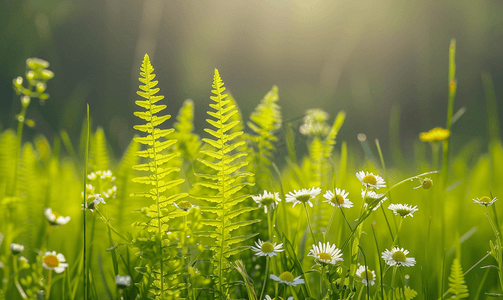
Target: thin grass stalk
86 159
309 223
380 264
381 157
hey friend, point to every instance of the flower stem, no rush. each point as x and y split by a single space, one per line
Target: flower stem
396 235
48 285
265 277
309 223
16 278
329 224
393 278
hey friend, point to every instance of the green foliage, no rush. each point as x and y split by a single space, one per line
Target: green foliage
457 284
264 122
99 159
153 243
224 181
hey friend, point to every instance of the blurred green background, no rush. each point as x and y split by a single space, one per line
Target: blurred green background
367 57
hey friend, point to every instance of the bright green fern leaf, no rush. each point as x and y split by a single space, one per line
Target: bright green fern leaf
226 182
99 157
457 284
154 242
265 120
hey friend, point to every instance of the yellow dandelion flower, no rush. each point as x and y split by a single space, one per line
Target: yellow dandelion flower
437 134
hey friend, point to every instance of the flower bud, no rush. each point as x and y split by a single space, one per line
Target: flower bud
25 100
16 249
40 87
122 282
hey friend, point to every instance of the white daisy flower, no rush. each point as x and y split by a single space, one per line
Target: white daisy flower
373 199
184 205
302 196
15 249
398 257
93 201
54 218
370 180
288 279
267 248
325 253
338 199
54 261
486 201
367 275
268 199
403 210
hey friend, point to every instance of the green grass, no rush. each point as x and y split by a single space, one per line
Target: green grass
191 241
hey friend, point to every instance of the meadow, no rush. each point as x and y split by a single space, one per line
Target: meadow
239 212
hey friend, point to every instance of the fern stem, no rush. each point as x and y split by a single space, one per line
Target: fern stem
309 223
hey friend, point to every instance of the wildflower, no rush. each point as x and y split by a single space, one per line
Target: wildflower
366 275
16 249
373 199
435 135
302 196
426 183
184 205
326 254
54 261
54 218
338 199
398 257
486 201
267 248
403 210
288 279
370 180
268 199
122 282
95 200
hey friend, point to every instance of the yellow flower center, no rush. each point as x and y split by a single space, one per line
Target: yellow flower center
369 179
338 199
267 247
287 276
485 199
185 205
56 215
303 198
367 275
324 256
51 261
403 211
399 256
267 201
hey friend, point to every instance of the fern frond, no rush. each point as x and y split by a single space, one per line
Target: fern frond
457 284
154 245
7 160
264 122
225 180
99 158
